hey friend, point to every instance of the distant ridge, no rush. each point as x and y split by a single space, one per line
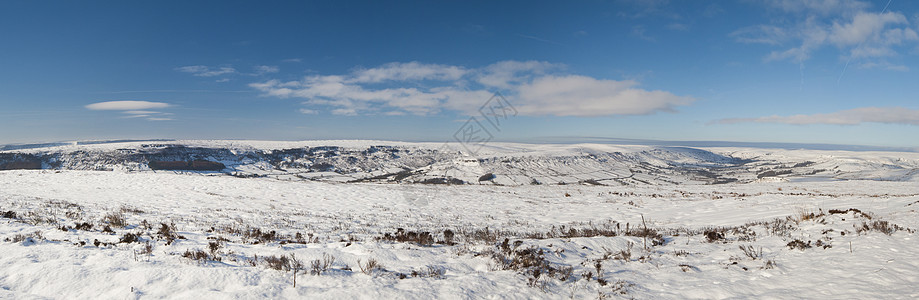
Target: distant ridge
495 163
560 140
768 145
55 144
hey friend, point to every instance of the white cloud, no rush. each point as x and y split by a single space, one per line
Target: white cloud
407 71
261 70
575 95
205 71
134 109
760 34
678 27
344 111
539 39
846 25
534 88
864 26
811 35
821 7
506 74
887 115
712 10
126 105
639 31
140 112
884 65
308 111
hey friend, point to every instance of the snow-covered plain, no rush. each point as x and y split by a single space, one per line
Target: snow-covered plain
844 234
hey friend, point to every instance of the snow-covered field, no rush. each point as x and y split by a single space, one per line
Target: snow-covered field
67 234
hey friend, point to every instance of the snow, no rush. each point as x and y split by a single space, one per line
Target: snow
349 220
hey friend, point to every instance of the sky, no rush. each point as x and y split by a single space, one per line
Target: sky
785 71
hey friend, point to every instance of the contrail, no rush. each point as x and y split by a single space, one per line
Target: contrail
859 46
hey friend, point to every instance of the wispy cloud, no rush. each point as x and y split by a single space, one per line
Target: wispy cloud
534 87
575 95
134 109
175 91
886 115
639 31
205 71
712 10
407 72
126 105
761 34
261 70
538 39
849 26
883 65
140 112
678 27
819 7
636 9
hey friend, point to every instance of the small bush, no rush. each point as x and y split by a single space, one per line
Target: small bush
531 262
770 264
625 254
26 237
448 237
199 255
36 218
280 263
430 272
167 233
148 248
712 236
421 238
751 252
129 238
798 244
806 215
261 236
115 219
131 210
214 247
9 214
884 227
83 226
880 226
319 266
482 235
854 211
371 266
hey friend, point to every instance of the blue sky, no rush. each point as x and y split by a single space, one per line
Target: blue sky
829 71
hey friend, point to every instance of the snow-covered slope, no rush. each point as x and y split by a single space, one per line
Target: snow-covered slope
139 235
341 219
496 163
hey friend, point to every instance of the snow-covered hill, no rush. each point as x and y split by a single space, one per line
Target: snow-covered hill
140 235
513 221
496 163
